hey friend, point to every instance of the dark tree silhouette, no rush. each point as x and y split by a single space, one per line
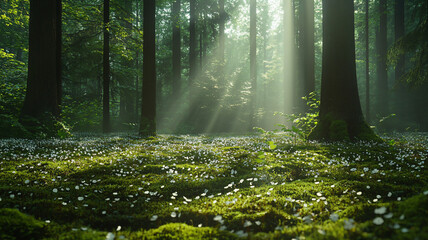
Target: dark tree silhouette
340 117
367 61
382 74
148 110
106 69
192 42
43 94
176 49
306 29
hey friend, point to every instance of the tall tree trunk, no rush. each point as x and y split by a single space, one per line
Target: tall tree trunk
59 51
176 49
148 110
367 62
399 32
307 45
44 60
340 117
221 36
137 66
382 81
192 42
253 60
106 69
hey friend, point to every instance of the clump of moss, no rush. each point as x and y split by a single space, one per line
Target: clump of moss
184 231
16 225
338 131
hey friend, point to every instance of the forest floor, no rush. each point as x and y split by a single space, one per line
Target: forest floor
205 187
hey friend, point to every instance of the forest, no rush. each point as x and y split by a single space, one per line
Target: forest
213 119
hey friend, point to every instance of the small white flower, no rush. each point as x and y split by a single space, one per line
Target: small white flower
247 223
154 218
381 210
334 217
54 190
378 221
80 198
110 236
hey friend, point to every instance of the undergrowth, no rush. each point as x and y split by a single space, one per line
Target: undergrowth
200 187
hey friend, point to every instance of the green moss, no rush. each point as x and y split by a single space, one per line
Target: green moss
184 231
16 225
338 131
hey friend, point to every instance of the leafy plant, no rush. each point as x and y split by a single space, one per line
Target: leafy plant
303 123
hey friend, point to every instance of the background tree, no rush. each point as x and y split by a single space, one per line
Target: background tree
382 74
43 96
253 60
148 110
176 49
106 67
340 115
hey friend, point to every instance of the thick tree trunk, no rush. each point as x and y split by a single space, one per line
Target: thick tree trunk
340 117
106 69
176 49
44 60
148 110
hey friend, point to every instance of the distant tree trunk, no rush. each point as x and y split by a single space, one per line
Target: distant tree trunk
340 117
382 81
148 110
253 60
192 42
137 66
106 69
126 100
307 48
367 62
399 32
221 35
44 60
59 51
176 49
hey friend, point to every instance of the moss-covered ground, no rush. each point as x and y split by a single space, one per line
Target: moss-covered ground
200 187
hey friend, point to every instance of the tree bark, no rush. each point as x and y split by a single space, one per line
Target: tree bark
307 45
44 60
148 110
340 116
106 68
176 49
367 62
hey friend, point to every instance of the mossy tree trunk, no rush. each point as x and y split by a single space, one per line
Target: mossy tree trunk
148 110
340 116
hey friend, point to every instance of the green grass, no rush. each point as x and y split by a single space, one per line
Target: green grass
200 187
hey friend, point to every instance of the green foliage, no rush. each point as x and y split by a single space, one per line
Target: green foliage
303 123
16 225
83 116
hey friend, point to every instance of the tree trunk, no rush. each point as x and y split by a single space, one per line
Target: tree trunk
192 42
106 69
221 36
382 81
59 51
253 61
367 62
148 110
44 60
340 117
307 45
176 49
